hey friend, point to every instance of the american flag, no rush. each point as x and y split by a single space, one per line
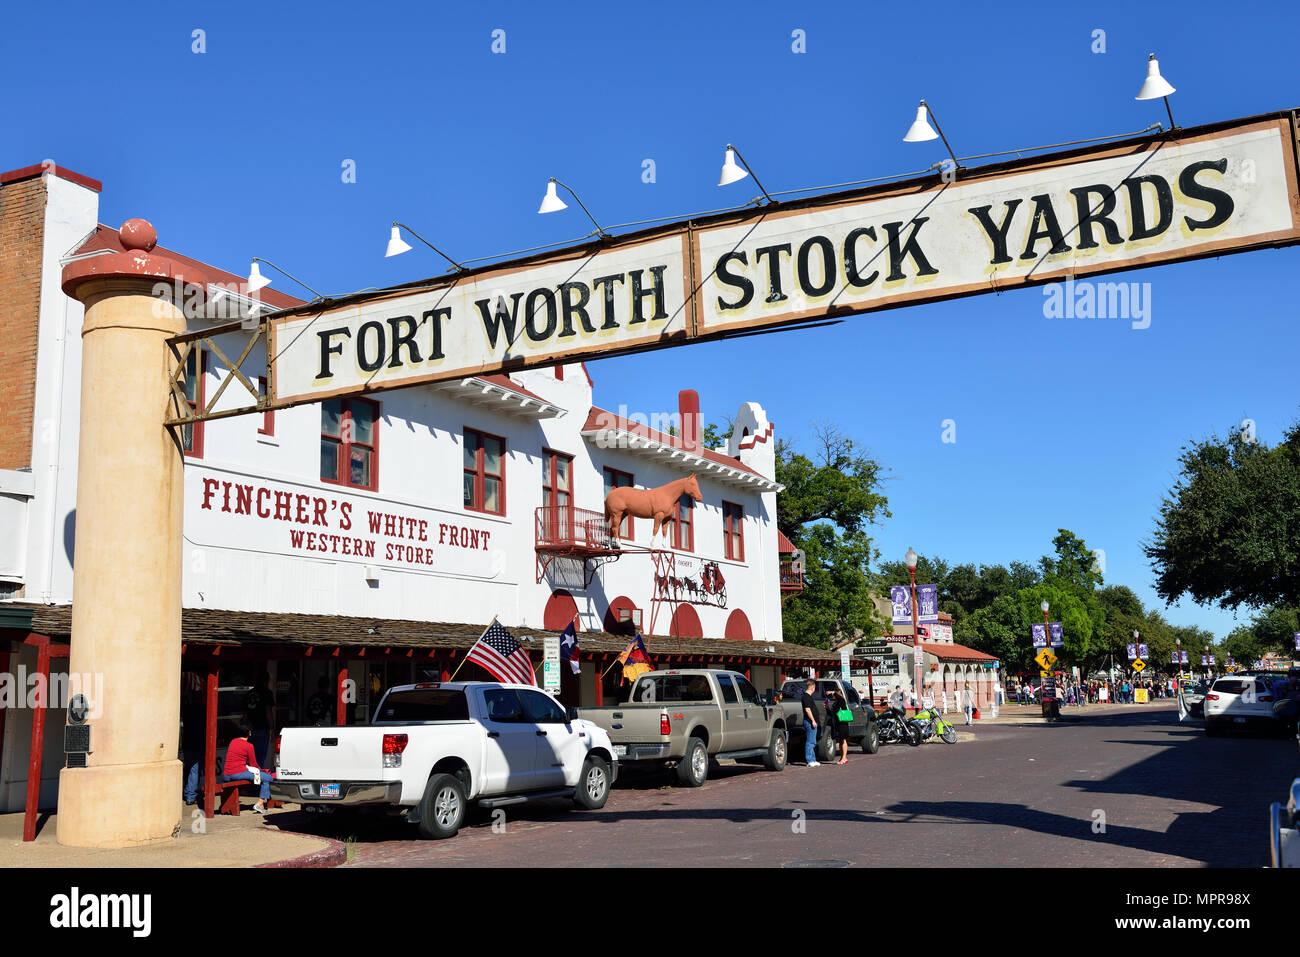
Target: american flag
499 652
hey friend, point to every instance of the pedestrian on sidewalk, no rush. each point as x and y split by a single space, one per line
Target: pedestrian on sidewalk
968 703
241 765
809 706
945 700
835 707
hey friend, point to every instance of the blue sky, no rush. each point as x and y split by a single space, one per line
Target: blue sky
238 151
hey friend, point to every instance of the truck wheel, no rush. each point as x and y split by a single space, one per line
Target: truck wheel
871 740
693 769
442 809
826 749
593 784
776 755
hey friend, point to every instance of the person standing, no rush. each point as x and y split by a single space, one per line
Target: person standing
261 717
945 699
839 728
193 743
968 703
808 704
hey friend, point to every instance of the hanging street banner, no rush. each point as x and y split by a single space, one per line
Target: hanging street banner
1206 191
1039 634
1057 632
1132 652
1297 641
900 600
927 603
1142 652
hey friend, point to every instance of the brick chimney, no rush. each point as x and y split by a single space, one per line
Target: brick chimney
688 409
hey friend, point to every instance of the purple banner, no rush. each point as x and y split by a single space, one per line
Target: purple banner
1132 652
900 597
1184 658
1173 657
1211 659
1039 633
1297 641
927 603
1142 652
1205 660
1057 631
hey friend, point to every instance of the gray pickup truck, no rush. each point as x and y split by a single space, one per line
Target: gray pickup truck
684 718
861 732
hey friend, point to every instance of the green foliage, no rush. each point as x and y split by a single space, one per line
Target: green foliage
1228 531
830 500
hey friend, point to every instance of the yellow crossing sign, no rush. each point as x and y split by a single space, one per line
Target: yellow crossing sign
1138 664
1045 659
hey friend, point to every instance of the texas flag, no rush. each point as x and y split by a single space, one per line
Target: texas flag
569 648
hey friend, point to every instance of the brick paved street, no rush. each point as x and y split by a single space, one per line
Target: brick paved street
1018 795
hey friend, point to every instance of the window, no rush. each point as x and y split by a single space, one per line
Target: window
557 478
410 707
748 693
485 472
684 524
733 531
851 696
728 689
502 705
616 479
192 434
268 417
541 708
672 688
349 443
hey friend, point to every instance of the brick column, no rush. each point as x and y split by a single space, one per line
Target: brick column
126 615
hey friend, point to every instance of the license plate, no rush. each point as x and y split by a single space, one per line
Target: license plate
1239 720
620 750
329 790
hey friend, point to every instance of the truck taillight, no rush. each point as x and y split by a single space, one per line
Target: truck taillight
394 745
277 751
664 726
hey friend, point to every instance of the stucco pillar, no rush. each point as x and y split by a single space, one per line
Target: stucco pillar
126 600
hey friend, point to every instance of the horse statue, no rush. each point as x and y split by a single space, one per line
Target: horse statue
653 503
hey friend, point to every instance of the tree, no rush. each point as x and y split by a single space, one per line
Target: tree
830 500
1229 531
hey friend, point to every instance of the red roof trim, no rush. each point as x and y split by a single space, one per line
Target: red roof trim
599 418
505 382
31 172
783 545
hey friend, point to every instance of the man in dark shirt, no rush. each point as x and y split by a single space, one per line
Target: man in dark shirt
261 717
808 705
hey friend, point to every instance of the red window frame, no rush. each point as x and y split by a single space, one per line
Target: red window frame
195 450
480 471
612 482
268 417
346 443
733 531
685 543
550 479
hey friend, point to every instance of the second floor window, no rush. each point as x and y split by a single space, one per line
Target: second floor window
485 472
733 534
684 524
616 479
349 450
557 478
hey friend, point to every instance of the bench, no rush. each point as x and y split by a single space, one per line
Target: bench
229 793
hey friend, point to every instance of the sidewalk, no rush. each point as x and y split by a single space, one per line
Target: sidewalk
250 840
1033 713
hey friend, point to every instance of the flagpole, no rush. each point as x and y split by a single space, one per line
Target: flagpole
471 648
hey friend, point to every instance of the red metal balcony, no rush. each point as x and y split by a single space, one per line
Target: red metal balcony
572 531
791 578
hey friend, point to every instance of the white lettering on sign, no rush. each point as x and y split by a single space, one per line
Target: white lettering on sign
1109 207
232 510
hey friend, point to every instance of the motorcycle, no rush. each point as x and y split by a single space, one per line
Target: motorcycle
930 723
895 726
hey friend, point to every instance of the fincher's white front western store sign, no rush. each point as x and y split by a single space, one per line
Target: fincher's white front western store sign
1210 191
226 509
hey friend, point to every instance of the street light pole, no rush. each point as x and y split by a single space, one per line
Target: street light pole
916 633
1047 635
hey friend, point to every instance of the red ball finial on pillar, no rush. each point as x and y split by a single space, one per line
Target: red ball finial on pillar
138 234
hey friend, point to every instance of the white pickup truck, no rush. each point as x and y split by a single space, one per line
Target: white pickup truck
433 748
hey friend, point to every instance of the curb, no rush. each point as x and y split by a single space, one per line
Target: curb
332 856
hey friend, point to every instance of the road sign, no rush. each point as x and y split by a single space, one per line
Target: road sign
551 663
1044 674
1139 664
845 668
1045 658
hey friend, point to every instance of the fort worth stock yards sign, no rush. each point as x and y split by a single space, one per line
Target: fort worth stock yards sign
1206 191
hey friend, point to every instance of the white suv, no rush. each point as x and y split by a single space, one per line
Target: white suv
1240 701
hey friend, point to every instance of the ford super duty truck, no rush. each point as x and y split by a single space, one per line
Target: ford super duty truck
434 748
683 718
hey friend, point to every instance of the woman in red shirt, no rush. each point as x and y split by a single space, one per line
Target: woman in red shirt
241 761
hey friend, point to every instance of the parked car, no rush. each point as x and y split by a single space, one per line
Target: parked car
862 732
682 718
1239 702
434 748
1193 699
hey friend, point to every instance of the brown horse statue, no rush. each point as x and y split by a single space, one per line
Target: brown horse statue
654 503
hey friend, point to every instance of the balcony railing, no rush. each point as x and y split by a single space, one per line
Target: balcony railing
567 530
791 577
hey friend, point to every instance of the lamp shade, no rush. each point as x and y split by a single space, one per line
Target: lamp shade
396 245
1154 86
911 559
551 203
1044 606
731 171
920 130
256 280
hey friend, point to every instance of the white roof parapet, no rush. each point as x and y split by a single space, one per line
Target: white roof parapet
738 475
482 392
